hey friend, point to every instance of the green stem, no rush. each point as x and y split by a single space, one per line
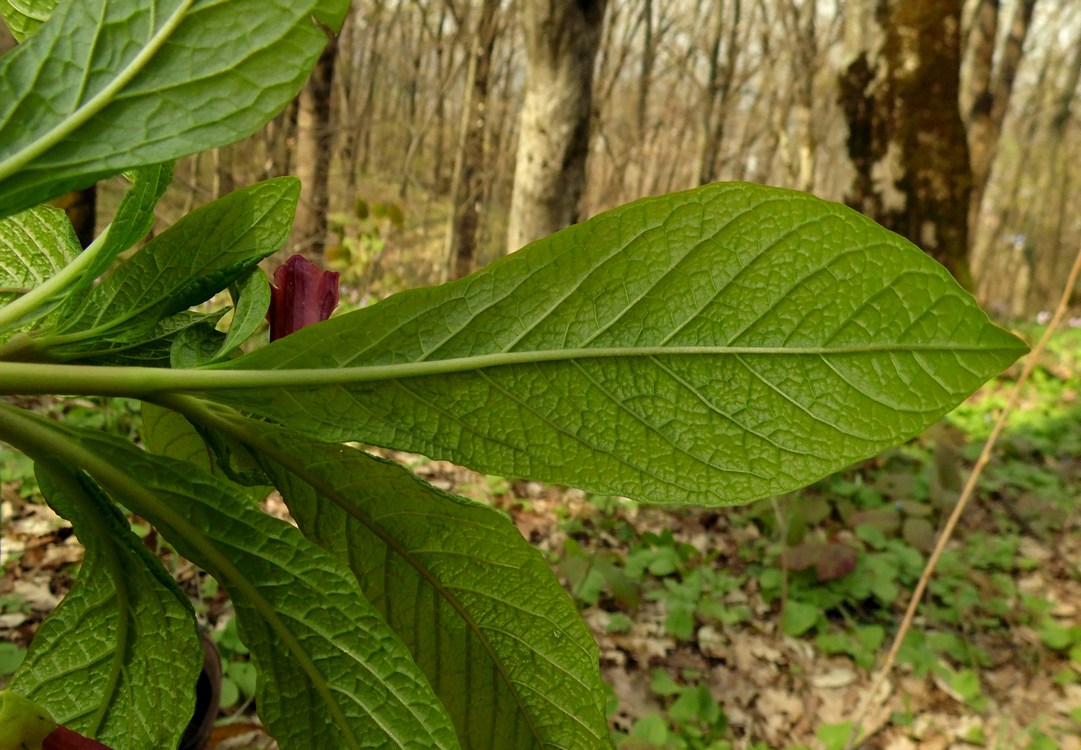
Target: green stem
19 378
19 310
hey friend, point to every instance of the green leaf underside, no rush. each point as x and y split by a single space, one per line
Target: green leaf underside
183 266
167 433
331 672
34 245
154 81
133 219
749 340
498 638
97 663
23 17
251 310
149 349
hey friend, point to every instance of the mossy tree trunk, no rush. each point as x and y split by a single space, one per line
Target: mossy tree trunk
907 140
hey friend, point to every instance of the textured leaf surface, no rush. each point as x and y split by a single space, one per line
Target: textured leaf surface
34 245
499 639
118 659
108 85
167 433
23 17
711 346
133 219
251 310
186 264
141 348
331 672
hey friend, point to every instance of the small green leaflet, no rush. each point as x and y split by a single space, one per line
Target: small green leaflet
185 265
134 218
712 346
253 300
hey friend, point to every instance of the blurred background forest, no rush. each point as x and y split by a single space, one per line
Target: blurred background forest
953 122
436 135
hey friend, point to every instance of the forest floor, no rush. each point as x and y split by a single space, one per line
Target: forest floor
762 626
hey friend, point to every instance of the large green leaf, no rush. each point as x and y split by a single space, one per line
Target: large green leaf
331 671
711 346
499 639
106 85
118 659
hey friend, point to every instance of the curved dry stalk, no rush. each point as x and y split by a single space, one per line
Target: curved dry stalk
966 494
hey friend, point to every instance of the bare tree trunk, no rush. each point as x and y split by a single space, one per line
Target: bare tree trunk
990 92
906 138
279 136
365 117
315 143
645 77
469 168
804 61
348 84
224 180
81 207
718 85
549 178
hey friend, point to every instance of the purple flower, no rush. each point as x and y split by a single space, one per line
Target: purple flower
302 294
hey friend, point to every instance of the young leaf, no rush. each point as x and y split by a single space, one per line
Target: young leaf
195 258
500 641
118 659
253 299
711 346
331 672
138 348
133 219
108 85
67 283
168 433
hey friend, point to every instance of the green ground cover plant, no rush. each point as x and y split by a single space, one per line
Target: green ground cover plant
709 347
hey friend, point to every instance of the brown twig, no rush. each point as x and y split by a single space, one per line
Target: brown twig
966 494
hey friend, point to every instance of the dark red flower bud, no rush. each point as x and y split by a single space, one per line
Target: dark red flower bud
63 738
302 294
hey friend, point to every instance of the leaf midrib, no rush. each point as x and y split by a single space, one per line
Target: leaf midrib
137 382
